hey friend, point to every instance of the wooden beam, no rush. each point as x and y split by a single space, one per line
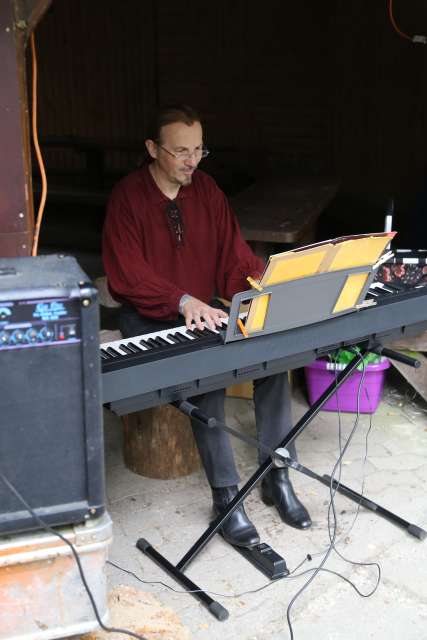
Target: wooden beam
16 199
28 13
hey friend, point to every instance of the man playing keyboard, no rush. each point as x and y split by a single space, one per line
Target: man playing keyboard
170 244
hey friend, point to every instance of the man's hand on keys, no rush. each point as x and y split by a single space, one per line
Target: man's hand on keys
199 312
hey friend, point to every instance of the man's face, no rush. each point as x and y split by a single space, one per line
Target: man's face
177 138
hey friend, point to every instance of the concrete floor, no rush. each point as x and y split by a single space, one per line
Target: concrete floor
172 514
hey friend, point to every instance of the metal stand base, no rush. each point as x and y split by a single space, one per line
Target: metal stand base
177 571
262 556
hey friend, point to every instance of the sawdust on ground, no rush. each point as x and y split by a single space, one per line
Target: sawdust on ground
141 613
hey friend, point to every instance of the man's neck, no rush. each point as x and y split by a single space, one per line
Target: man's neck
169 189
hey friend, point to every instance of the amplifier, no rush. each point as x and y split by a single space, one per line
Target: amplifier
51 438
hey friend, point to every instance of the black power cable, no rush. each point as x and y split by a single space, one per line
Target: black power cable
333 533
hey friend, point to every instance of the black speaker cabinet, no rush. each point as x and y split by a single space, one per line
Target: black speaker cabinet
51 440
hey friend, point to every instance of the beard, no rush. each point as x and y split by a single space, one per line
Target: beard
183 179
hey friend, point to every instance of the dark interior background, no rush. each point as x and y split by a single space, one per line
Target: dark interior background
284 88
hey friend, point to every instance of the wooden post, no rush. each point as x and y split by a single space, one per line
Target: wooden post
159 443
16 212
17 19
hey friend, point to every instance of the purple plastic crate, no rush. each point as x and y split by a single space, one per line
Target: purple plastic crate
321 373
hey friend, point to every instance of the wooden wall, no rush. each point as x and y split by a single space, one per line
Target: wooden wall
285 87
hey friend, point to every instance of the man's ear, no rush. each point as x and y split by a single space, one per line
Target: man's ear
151 148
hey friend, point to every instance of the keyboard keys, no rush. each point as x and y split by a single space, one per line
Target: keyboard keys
173 338
125 348
133 347
203 333
181 337
113 352
191 333
153 342
156 345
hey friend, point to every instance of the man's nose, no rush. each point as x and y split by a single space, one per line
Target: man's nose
192 161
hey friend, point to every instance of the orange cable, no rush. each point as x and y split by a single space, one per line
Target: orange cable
393 22
37 149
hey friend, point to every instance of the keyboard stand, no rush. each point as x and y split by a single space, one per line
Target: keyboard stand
177 571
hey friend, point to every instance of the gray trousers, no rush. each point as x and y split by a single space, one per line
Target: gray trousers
272 410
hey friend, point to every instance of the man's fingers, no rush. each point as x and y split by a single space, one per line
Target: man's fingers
199 315
211 321
198 321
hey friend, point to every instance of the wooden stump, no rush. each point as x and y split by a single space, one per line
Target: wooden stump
159 443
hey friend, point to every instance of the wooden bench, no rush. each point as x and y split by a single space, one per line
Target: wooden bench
158 442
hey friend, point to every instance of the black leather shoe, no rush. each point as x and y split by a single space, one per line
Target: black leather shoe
276 489
237 529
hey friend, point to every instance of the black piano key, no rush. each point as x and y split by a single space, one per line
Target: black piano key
134 348
181 337
145 344
213 333
153 343
113 352
190 332
104 355
162 341
202 333
173 338
125 348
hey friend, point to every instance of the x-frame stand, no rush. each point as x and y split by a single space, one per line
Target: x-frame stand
177 571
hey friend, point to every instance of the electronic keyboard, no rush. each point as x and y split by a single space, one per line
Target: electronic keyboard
174 364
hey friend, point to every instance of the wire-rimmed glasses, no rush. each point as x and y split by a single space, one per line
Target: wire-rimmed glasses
198 153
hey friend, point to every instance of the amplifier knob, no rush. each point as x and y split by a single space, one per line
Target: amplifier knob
17 337
45 334
4 338
31 335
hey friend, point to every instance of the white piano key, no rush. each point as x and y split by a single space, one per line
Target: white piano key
155 334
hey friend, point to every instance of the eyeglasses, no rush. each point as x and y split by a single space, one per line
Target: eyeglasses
200 152
176 223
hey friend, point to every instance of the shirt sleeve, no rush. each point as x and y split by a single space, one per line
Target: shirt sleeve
236 259
130 277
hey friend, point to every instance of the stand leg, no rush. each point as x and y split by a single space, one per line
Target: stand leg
215 608
412 529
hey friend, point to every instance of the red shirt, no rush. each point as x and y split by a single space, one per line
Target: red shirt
144 266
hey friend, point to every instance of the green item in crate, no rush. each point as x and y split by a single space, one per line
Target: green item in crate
342 356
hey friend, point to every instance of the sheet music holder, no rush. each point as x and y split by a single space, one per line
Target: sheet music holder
310 284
